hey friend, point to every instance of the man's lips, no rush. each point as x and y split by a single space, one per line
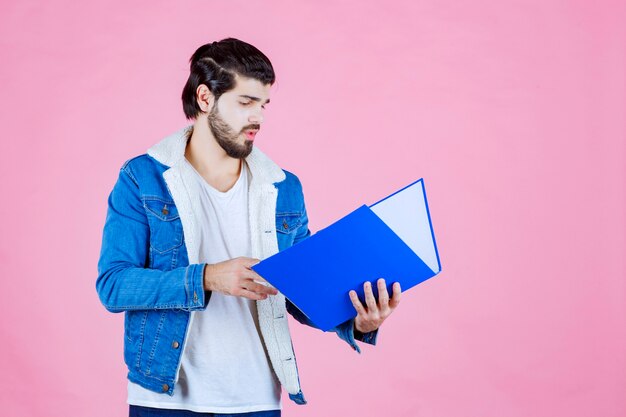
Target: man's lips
250 134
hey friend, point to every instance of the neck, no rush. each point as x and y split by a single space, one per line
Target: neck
207 156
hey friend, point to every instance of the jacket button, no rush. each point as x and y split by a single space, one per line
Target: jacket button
175 344
285 225
165 387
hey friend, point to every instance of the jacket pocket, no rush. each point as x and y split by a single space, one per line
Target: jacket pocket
166 230
286 227
287 223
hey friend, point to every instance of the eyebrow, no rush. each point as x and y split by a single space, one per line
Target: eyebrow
253 98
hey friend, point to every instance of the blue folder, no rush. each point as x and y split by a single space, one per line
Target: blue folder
391 239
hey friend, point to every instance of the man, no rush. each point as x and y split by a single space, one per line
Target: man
204 334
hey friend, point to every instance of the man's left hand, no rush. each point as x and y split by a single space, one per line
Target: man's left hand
370 318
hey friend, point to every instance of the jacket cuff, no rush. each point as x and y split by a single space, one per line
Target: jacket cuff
348 333
369 337
197 297
345 331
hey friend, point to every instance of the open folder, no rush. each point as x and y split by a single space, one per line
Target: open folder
391 239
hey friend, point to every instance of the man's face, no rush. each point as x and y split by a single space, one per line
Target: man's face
236 117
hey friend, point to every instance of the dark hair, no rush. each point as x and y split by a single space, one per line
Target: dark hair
215 65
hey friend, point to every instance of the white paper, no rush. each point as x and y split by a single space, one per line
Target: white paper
405 213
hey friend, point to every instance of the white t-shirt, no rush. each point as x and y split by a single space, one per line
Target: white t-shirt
224 367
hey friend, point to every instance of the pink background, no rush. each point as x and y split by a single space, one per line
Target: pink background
512 112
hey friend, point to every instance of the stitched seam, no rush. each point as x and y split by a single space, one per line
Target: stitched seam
187 285
293 225
151 307
289 231
126 169
144 307
150 376
166 251
141 340
152 197
155 343
178 236
159 215
174 258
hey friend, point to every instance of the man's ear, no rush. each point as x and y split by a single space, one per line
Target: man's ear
204 98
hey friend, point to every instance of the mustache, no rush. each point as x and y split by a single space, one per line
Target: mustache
253 126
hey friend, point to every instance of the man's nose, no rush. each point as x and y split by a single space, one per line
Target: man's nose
256 117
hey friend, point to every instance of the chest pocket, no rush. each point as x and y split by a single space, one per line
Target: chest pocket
287 223
166 229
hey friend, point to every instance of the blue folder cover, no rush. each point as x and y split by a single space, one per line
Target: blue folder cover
317 274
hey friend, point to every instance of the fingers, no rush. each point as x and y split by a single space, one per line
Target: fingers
383 295
395 298
252 295
369 297
371 318
252 283
259 288
250 273
357 303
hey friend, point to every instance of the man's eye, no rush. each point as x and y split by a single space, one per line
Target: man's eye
247 103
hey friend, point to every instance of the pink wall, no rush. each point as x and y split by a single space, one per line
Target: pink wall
512 111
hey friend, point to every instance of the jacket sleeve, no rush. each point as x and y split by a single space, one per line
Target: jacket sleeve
124 282
346 330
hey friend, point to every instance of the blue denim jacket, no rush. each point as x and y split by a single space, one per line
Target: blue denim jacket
144 270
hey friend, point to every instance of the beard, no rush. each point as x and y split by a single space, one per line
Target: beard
227 138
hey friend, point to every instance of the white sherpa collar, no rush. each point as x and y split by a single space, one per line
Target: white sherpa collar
170 151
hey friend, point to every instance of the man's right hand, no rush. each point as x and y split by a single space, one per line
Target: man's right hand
234 277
